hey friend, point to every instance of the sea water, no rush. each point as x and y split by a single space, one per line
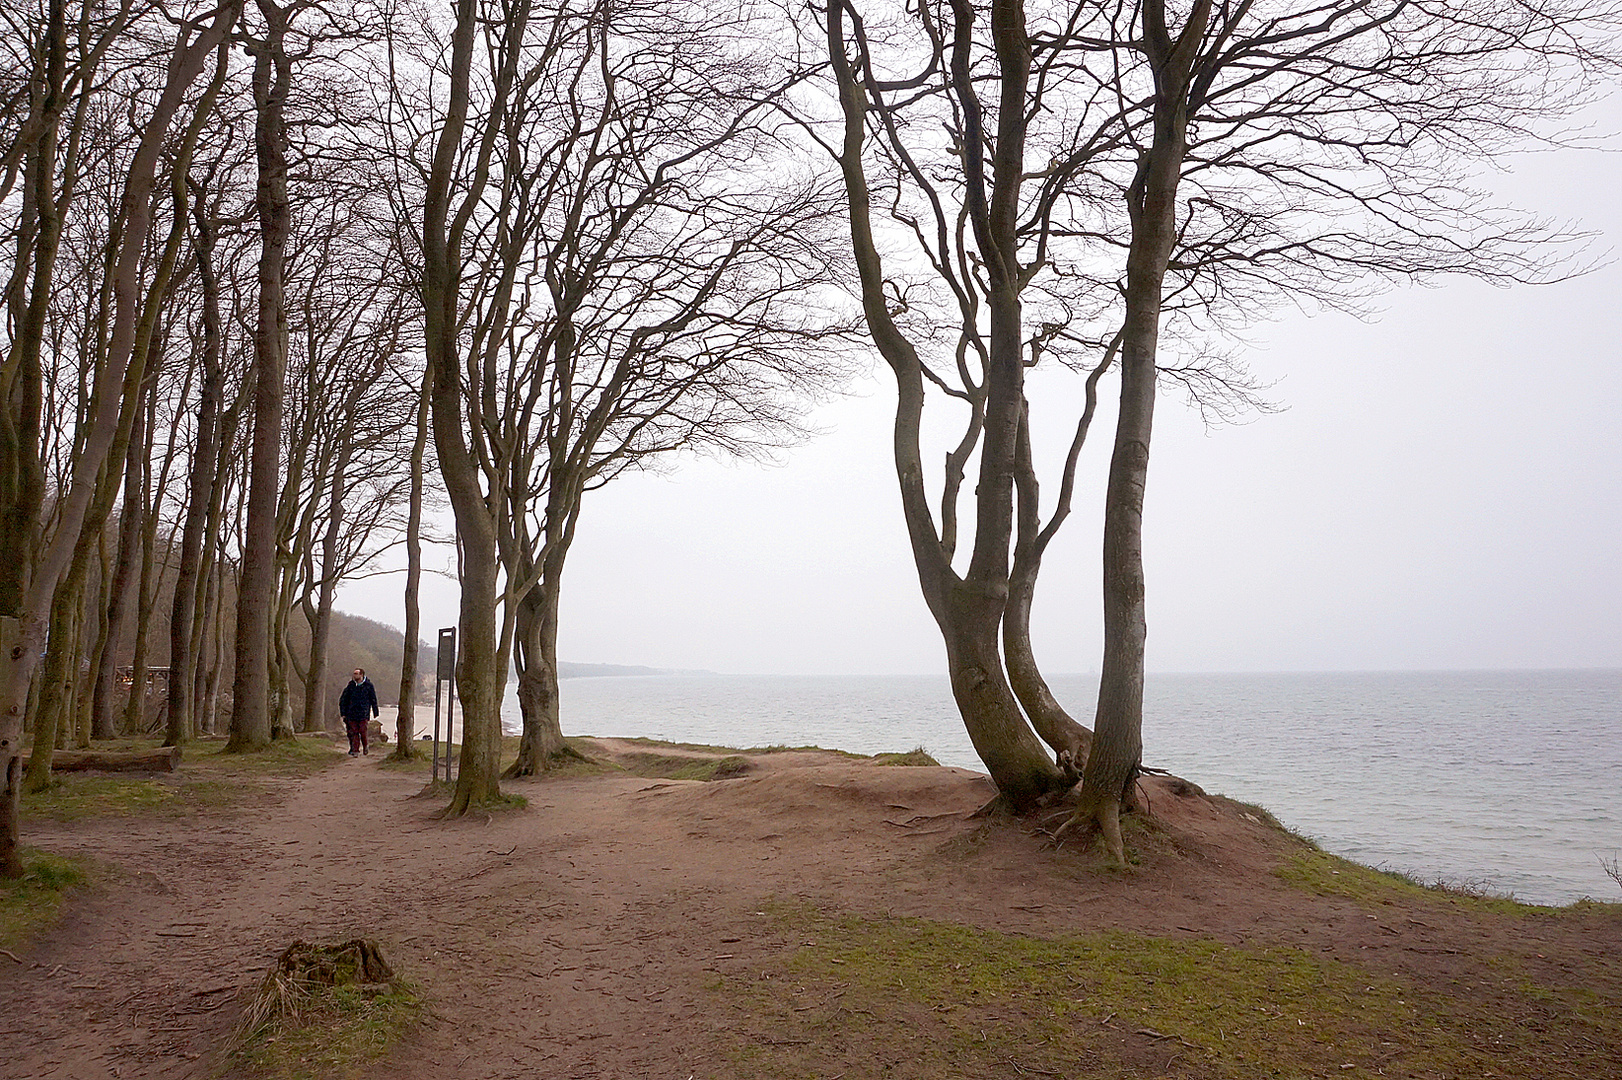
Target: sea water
1508 780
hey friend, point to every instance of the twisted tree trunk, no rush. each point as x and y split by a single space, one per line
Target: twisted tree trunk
1117 750
251 718
404 749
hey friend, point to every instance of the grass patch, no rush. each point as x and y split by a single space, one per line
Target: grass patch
678 767
784 748
32 903
916 757
702 748
442 789
504 801
338 1033
75 796
300 757
421 759
932 999
1323 874
207 779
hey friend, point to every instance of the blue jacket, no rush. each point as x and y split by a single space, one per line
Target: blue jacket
358 702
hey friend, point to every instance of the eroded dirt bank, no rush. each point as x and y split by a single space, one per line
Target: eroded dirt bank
603 930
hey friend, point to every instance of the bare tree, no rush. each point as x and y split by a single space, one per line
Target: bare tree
261 692
1323 148
212 428
653 290
455 186
29 579
937 107
251 717
1303 154
403 746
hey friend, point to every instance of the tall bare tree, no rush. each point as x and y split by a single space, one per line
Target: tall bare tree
457 181
942 151
1282 153
28 580
251 717
1057 215
404 746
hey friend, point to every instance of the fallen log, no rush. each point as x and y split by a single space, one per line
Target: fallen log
163 759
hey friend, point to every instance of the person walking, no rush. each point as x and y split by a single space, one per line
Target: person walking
357 705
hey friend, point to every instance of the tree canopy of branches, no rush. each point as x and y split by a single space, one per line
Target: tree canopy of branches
1075 177
39 558
131 284
638 271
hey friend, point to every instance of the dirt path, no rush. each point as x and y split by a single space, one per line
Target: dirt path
582 936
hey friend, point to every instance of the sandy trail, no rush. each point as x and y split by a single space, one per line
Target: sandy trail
581 937
577 933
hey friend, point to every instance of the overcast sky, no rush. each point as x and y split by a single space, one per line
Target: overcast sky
1443 490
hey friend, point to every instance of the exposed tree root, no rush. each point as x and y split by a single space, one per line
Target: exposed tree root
1103 818
537 765
404 751
996 807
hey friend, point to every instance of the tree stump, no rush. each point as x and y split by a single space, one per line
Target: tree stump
304 969
356 961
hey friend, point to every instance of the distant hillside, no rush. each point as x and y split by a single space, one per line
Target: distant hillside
358 642
367 643
567 670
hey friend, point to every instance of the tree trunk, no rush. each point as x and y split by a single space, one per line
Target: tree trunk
1069 740
97 602
1117 750
404 748
209 675
969 609
153 569
129 545
250 689
536 635
191 575
209 625
315 679
56 674
162 759
281 665
479 682
11 760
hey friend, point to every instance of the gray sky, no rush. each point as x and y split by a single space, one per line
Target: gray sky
1443 490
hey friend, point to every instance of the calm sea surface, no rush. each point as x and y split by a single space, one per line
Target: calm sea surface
1510 779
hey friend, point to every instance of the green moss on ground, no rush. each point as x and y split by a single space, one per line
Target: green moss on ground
207 779
784 748
682 767
75 796
1318 872
937 999
303 756
421 761
338 1034
32 903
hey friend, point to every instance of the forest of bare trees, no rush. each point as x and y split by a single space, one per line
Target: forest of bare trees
283 276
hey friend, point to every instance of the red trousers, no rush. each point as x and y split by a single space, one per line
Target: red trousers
357 734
